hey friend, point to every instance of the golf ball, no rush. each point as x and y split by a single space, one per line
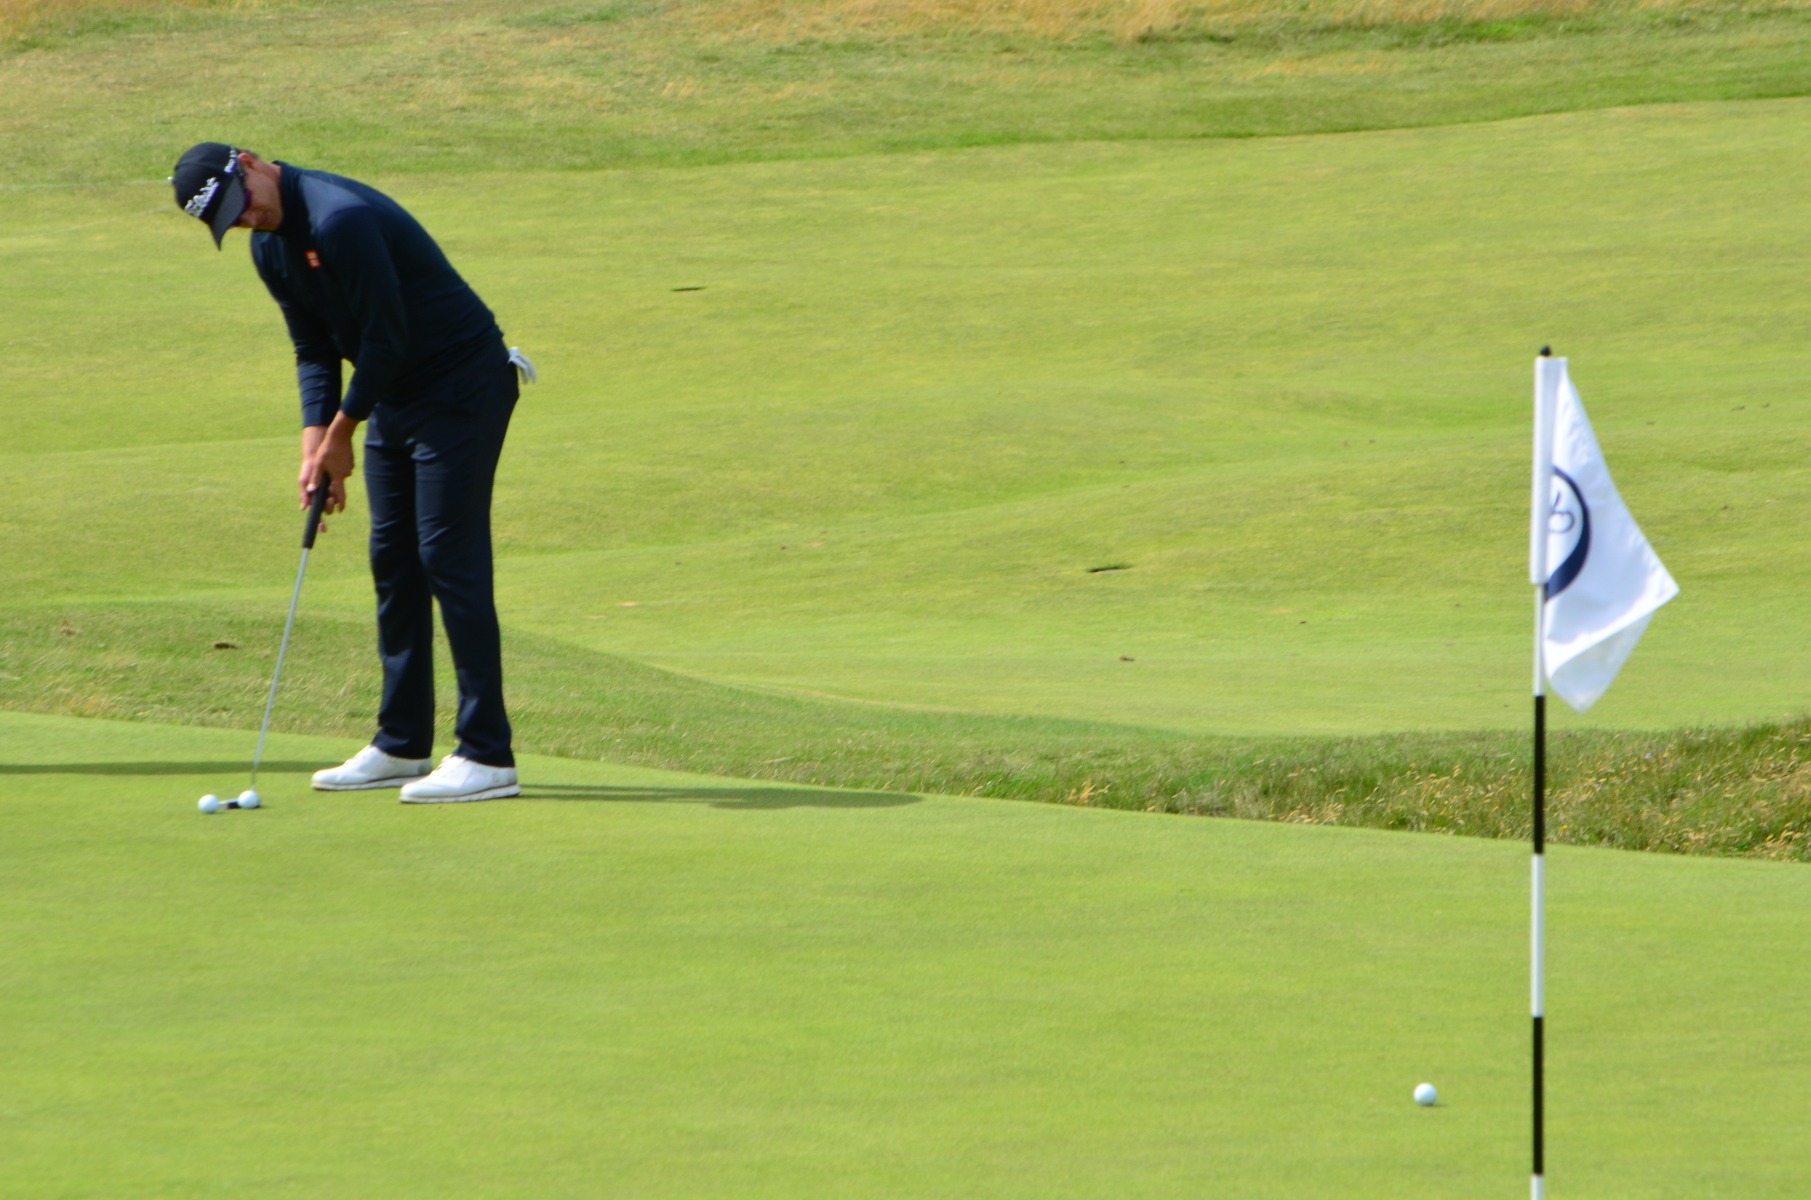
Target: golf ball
249 799
209 803
1425 1094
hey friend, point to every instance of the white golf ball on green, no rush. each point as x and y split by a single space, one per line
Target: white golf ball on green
249 799
209 803
1425 1094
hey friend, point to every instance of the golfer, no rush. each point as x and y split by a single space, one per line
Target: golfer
359 280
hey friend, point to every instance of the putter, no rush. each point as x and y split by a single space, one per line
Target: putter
308 532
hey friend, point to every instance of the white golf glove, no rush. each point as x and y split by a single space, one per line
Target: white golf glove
524 368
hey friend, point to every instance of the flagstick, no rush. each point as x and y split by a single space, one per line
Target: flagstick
1545 391
1537 914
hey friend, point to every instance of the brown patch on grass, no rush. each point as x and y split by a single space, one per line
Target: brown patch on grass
1137 20
21 17
1088 795
1128 21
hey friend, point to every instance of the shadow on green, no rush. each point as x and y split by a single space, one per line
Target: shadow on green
764 798
150 768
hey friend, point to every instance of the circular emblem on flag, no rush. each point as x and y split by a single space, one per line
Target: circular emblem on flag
1568 533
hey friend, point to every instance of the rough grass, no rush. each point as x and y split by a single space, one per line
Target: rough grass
1137 20
1740 792
20 19
1060 20
102 90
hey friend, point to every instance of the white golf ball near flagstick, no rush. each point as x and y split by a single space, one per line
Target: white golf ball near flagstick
1425 1094
248 799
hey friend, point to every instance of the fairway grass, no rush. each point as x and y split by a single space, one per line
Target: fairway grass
1178 471
672 985
919 398
846 500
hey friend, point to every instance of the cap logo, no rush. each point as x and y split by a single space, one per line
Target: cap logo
314 259
199 203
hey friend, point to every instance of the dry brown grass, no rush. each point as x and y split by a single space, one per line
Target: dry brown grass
21 17
16 16
784 21
1128 20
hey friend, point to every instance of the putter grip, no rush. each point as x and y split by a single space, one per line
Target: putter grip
314 511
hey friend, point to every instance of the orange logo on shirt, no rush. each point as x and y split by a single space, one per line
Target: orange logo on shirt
314 259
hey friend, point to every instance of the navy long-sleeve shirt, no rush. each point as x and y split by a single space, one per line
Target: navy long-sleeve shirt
359 280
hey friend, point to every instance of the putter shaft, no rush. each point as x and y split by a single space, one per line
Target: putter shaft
313 526
271 700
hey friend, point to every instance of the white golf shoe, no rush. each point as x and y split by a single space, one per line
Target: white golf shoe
459 779
370 768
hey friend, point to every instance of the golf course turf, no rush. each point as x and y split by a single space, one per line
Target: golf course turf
1282 382
1119 405
631 983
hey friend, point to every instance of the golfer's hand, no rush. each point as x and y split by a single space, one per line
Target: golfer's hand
328 449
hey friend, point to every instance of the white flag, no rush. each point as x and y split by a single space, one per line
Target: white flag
1604 582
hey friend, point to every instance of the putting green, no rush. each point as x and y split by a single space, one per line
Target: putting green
643 984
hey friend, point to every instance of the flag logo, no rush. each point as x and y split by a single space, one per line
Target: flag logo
1568 533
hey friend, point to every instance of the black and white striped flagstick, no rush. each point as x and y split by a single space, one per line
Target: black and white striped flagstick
1537 1002
1547 371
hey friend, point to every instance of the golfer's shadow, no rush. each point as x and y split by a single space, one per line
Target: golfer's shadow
747 799
269 767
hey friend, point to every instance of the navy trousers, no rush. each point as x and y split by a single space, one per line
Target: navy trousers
429 470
